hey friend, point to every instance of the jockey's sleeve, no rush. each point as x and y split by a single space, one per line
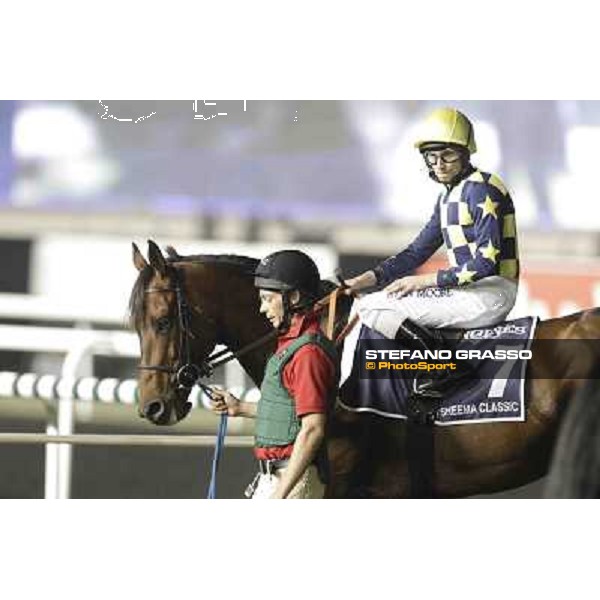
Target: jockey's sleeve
415 254
488 206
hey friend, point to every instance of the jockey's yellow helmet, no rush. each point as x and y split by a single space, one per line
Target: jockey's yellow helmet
447 126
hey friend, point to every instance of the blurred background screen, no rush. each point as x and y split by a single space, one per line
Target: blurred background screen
346 160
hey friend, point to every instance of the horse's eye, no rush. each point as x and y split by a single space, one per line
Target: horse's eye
163 325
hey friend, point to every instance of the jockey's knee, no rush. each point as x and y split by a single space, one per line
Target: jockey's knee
385 322
367 315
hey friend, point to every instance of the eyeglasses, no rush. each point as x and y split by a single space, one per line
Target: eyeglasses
446 156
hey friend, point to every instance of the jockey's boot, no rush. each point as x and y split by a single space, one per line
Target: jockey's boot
438 383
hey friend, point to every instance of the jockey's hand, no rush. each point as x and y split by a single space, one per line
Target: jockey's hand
223 402
355 284
412 283
350 289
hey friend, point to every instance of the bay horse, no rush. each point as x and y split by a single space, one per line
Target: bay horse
367 452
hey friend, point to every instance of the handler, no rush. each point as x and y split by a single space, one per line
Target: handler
474 218
299 386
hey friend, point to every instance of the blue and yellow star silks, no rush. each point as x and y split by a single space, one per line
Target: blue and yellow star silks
475 220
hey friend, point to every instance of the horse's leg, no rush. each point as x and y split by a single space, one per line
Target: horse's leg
367 456
348 450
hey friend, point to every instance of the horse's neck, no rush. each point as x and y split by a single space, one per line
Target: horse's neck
241 325
254 361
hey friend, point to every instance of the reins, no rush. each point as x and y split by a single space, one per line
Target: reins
213 363
329 301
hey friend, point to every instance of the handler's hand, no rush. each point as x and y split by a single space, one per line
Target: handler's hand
412 283
223 402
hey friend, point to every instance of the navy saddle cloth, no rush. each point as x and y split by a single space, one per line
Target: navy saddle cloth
498 394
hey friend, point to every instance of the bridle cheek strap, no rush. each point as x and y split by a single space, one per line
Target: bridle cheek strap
186 373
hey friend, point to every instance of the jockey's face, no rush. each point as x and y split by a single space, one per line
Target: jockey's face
446 163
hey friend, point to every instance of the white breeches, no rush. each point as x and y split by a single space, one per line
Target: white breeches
480 304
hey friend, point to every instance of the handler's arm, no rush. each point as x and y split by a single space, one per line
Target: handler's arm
306 446
223 402
248 410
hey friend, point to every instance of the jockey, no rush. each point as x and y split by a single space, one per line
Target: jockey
474 218
299 386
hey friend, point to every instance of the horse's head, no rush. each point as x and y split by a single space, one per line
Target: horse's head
176 334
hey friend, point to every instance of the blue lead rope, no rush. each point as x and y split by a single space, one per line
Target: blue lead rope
212 488
222 432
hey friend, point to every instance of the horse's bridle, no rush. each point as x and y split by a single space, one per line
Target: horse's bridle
185 371
187 374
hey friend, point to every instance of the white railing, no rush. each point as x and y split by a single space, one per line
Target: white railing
78 345
105 439
42 308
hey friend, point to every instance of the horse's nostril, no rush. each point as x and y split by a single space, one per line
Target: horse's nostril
154 410
184 411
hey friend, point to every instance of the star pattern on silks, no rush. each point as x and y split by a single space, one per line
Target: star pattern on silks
489 251
489 207
476 223
465 276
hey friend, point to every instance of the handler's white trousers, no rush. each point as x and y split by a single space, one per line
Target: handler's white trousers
308 487
480 304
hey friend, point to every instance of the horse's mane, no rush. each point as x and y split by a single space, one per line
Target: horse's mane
244 264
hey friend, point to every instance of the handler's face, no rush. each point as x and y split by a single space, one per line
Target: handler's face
271 305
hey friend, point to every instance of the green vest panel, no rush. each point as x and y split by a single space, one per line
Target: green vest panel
276 421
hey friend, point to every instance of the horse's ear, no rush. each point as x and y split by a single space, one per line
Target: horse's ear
138 259
172 253
157 260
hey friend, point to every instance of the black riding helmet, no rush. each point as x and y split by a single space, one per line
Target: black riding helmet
289 270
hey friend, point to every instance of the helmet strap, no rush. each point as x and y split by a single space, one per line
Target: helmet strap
467 169
289 311
286 321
